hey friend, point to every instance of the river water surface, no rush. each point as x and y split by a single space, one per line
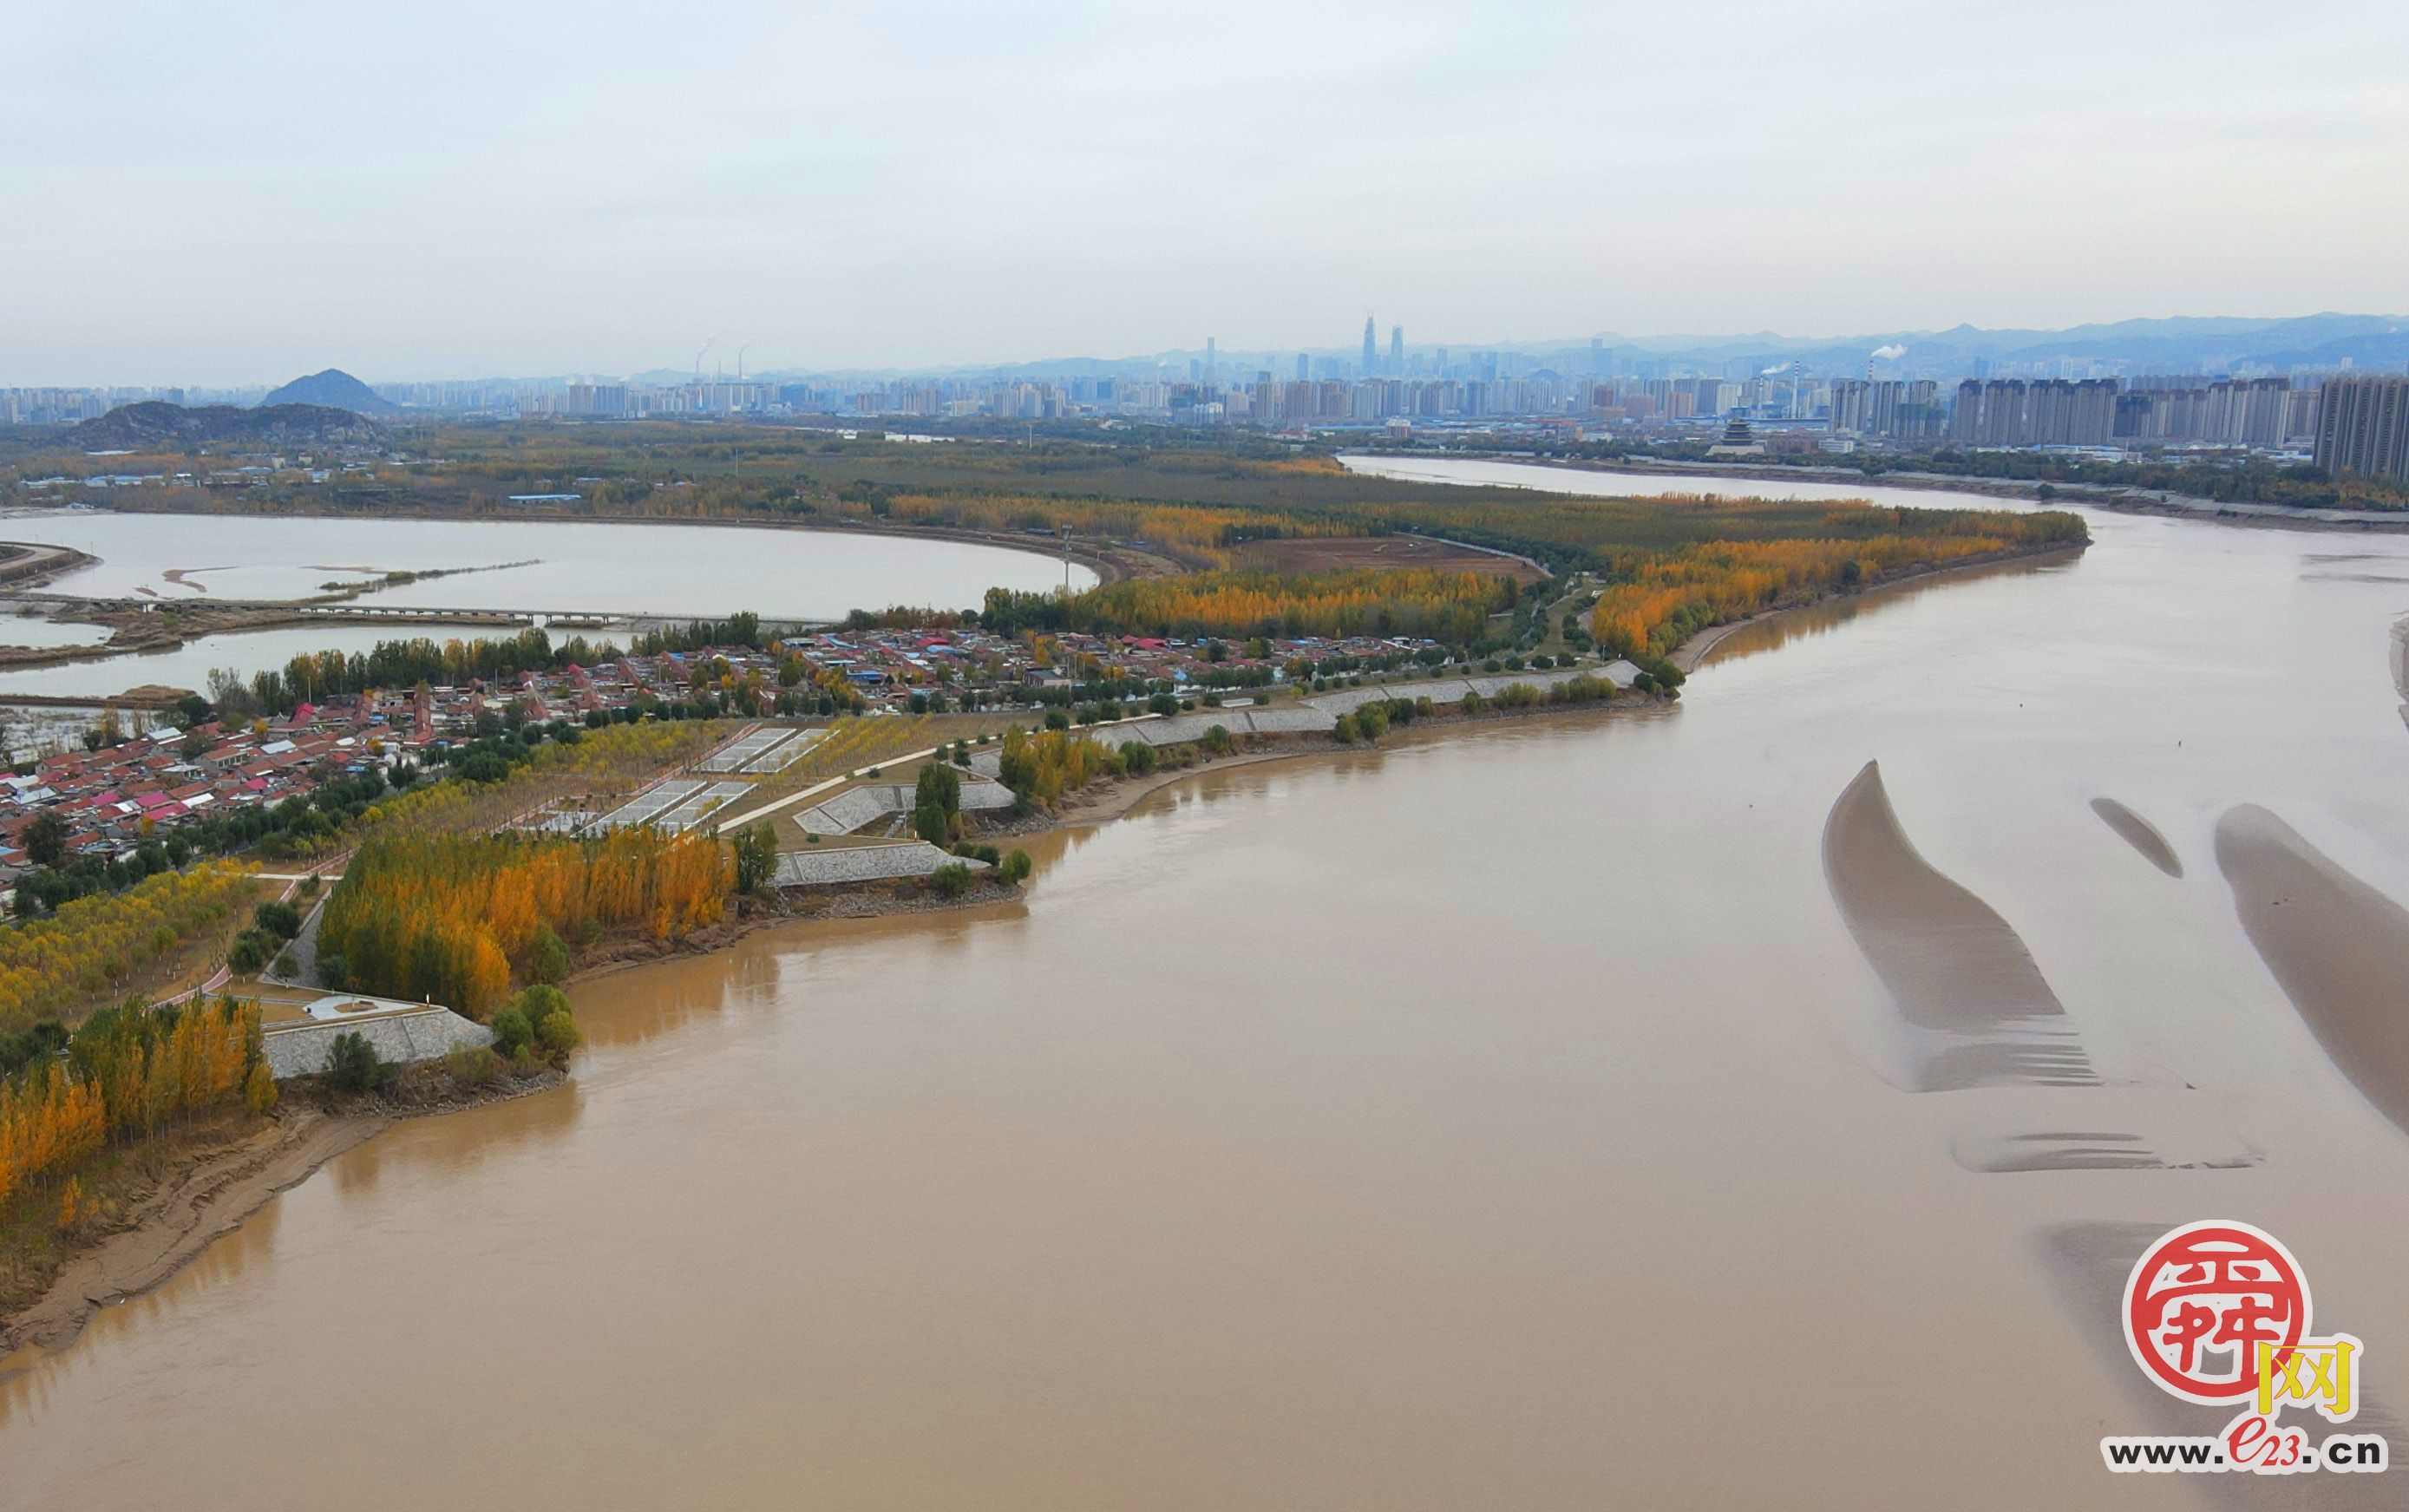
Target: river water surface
571 567
1506 1118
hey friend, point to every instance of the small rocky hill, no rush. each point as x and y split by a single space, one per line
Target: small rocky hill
334 388
154 426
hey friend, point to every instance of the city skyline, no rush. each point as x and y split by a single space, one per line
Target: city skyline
250 194
2180 345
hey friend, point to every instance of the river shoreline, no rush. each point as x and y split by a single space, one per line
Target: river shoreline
1111 562
2122 500
207 1193
1691 654
212 1193
135 627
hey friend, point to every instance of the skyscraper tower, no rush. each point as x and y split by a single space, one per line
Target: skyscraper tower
1371 348
1212 362
1396 351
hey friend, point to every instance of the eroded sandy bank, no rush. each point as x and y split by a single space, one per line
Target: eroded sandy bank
203 1198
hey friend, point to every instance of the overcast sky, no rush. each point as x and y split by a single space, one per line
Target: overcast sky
243 191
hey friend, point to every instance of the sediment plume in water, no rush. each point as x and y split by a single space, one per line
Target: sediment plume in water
1977 1010
2138 833
2339 947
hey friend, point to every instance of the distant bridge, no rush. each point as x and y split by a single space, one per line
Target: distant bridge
572 619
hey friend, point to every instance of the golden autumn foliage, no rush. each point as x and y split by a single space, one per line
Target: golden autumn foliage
1199 534
156 1065
131 1071
1422 601
47 965
1042 767
1663 598
448 917
75 1205
48 1118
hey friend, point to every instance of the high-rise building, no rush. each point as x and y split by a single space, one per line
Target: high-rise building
1371 348
1851 405
2233 412
2051 411
1304 368
1396 351
2363 426
1212 362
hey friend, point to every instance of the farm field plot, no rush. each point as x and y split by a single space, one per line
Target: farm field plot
738 755
649 805
700 806
785 753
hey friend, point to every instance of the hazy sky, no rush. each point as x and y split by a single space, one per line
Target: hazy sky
243 191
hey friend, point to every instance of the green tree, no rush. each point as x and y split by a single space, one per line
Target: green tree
1137 757
541 1001
757 857
547 955
46 840
558 1035
937 803
252 949
353 1064
939 784
1016 867
278 918
951 880
511 1032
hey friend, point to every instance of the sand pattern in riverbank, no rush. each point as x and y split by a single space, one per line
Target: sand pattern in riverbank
2138 833
1977 1009
2339 948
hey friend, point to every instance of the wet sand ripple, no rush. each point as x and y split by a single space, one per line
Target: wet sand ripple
1979 1010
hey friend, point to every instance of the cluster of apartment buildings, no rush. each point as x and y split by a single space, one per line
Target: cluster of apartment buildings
2353 423
2261 413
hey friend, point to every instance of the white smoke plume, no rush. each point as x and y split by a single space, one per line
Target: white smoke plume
1889 354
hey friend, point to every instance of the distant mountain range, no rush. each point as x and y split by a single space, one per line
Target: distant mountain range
2181 344
2184 345
2187 344
155 426
334 388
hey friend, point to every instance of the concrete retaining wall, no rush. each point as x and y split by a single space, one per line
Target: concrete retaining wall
864 863
1321 713
428 1034
858 807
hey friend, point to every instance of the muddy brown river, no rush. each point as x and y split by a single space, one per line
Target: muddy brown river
1605 1111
